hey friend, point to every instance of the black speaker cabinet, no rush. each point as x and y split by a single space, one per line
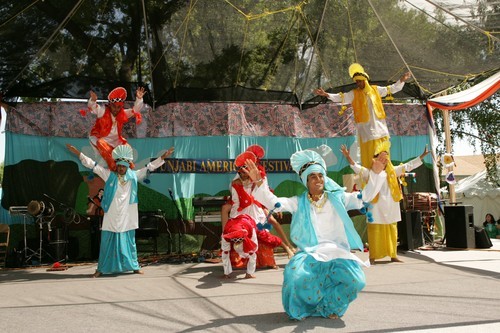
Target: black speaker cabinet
95 235
483 241
410 230
459 224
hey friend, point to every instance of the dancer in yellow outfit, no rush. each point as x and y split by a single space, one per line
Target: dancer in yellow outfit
369 114
383 231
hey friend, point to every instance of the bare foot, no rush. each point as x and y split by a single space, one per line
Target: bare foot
372 261
96 274
290 253
138 271
225 277
249 276
333 316
396 260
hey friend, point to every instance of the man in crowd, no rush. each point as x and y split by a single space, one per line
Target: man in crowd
369 113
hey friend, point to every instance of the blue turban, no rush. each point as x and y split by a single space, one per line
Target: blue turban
305 162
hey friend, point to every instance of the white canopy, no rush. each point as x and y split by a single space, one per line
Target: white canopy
469 94
477 186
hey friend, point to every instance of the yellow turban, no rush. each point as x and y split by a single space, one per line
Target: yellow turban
383 146
357 72
392 178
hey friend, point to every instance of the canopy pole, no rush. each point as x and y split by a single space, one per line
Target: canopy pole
148 48
447 137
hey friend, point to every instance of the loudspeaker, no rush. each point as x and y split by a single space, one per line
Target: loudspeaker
95 235
58 244
459 224
483 241
410 230
73 248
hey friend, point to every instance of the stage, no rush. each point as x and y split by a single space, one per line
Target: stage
432 291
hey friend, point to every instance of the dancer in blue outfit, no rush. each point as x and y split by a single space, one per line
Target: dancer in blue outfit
118 252
324 276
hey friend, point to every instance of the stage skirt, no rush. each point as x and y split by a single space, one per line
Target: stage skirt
118 252
320 288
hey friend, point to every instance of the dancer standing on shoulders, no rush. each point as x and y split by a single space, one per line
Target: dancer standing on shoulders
369 113
106 134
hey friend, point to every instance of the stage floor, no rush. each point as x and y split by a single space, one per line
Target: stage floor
432 291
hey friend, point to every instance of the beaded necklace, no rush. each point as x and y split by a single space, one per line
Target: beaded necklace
320 203
121 180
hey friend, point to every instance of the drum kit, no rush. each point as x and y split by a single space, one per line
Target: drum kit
44 214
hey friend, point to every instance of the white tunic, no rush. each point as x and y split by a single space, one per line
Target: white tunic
253 210
122 215
386 210
329 228
374 128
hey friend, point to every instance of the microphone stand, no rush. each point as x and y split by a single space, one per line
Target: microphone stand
65 228
162 217
180 220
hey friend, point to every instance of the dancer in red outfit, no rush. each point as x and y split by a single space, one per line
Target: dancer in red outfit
106 134
242 236
242 202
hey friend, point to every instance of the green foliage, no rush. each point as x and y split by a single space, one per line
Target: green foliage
486 118
287 45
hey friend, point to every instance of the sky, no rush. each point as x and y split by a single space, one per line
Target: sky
464 148
458 7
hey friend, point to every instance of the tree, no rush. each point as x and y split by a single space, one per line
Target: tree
69 47
483 119
289 46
